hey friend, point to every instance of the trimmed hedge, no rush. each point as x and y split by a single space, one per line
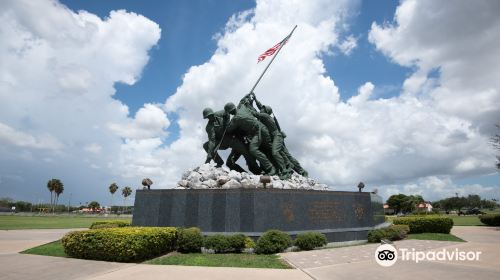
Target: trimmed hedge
225 243
392 233
272 242
109 224
189 240
217 242
237 242
310 240
490 219
420 224
127 244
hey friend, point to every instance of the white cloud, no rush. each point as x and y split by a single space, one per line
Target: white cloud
364 93
57 80
11 136
431 35
348 45
150 121
438 187
93 148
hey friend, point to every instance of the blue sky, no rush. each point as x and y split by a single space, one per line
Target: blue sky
379 91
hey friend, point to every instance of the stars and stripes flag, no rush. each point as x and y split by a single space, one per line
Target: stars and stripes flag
272 50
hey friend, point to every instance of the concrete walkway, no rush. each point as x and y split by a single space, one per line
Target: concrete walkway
356 262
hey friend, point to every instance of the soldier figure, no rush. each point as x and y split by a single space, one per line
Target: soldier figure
282 156
244 121
218 140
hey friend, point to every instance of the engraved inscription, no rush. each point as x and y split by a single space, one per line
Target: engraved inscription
359 211
325 212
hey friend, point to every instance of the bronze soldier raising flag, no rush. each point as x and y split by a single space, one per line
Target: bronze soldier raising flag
254 134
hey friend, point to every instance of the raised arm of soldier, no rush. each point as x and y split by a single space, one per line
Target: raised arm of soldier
247 101
257 102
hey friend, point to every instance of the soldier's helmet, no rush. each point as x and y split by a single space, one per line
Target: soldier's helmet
230 108
207 112
267 109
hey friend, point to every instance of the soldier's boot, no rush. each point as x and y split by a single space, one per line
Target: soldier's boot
286 173
218 161
235 167
271 172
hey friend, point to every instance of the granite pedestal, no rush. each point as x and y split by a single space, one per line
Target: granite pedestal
341 216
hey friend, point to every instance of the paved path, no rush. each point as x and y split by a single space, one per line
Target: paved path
358 262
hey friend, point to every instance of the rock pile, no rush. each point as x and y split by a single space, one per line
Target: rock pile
207 176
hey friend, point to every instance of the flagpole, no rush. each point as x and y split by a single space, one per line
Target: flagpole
269 64
254 86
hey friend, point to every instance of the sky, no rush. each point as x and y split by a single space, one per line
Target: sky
402 95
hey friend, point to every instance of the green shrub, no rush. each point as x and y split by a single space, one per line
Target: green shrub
249 243
109 224
419 224
490 219
310 240
189 240
237 242
403 230
225 243
218 242
127 244
392 233
273 241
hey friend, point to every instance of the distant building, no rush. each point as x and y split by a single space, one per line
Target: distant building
388 210
427 207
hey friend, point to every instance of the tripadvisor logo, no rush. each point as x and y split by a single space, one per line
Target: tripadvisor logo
387 255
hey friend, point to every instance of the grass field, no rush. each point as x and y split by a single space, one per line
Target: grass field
435 236
221 260
47 222
54 249
470 220
466 220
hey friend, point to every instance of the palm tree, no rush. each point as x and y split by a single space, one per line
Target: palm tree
112 189
51 187
58 191
147 182
495 141
126 192
54 185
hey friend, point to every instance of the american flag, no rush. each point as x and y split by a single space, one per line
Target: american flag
272 50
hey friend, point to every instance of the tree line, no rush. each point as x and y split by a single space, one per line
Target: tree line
470 201
402 203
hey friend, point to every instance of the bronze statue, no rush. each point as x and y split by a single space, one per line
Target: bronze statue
218 139
254 134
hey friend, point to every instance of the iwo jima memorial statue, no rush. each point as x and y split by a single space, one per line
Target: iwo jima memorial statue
276 193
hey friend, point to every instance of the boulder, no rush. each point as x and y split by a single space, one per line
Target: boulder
221 180
231 184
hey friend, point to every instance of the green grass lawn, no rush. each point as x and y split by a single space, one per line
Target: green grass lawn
465 220
54 249
47 222
470 220
222 260
435 236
